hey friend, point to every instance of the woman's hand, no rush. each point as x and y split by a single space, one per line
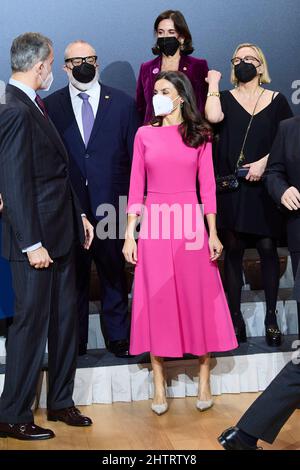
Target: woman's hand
215 247
256 169
1 204
213 77
130 250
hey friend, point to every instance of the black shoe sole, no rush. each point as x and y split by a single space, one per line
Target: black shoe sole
43 438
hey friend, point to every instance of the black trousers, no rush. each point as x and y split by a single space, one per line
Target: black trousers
45 307
110 265
267 415
295 258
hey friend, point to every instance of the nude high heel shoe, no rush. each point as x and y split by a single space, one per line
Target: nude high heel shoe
160 409
203 405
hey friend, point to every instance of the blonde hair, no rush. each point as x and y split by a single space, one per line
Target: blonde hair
264 77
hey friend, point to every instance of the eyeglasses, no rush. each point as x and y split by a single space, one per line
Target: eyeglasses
249 59
77 61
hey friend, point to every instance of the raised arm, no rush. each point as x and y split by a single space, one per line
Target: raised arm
213 108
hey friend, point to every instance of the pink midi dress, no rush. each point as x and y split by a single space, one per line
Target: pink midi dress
179 305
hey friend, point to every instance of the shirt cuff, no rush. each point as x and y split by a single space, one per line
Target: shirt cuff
83 215
32 247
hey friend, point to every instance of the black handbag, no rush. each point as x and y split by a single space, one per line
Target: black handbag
227 183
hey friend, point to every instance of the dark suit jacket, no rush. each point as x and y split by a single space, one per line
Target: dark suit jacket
39 204
106 162
195 69
283 171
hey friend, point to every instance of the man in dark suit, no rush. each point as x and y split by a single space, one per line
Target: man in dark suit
264 419
97 125
41 220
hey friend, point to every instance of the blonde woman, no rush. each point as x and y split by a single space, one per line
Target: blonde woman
247 217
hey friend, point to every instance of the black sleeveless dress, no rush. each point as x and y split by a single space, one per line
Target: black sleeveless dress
249 209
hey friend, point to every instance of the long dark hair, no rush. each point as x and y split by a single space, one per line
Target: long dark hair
194 129
181 28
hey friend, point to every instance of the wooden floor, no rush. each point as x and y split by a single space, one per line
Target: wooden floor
134 426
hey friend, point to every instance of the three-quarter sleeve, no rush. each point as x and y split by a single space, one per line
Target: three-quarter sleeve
206 178
137 177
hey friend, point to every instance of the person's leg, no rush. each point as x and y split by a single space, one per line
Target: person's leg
83 261
267 415
295 258
63 336
27 339
267 250
234 246
110 265
159 404
204 393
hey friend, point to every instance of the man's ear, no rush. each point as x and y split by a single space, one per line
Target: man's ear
38 67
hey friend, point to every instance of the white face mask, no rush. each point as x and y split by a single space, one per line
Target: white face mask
163 105
83 86
46 84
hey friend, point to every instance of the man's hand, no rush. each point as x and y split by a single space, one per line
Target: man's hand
88 232
291 199
39 258
1 203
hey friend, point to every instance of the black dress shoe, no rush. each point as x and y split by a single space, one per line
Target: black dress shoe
230 440
82 349
119 348
25 432
71 416
273 335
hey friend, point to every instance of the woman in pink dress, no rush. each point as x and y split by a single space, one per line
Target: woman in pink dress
179 304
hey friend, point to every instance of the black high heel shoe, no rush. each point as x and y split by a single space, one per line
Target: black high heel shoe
273 335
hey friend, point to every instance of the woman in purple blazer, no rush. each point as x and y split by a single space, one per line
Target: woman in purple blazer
173 46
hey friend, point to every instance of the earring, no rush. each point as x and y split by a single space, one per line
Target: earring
260 82
181 46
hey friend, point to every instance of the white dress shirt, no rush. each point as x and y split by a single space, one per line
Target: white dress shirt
30 92
77 102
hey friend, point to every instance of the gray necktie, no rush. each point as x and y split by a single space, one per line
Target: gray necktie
87 117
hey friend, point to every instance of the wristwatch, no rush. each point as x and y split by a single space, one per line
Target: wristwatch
213 93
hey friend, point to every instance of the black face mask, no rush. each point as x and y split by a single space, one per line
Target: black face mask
168 45
245 72
84 73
